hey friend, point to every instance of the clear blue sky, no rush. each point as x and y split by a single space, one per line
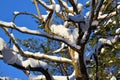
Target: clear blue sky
7 7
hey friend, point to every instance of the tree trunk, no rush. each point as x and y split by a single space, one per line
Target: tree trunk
83 67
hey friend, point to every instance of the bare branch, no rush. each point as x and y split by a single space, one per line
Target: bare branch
25 13
37 7
45 5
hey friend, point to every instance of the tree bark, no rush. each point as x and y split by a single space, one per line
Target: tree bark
83 68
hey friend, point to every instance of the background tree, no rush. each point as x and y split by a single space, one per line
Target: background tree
82 45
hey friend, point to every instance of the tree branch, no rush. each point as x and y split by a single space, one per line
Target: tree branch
74 6
48 7
39 69
38 33
64 4
37 7
25 13
38 56
100 3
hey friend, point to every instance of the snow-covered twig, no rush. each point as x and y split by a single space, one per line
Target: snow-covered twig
50 7
100 17
60 49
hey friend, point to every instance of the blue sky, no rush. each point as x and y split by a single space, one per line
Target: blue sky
7 7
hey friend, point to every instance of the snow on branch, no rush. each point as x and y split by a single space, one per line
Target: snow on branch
8 24
100 44
12 57
53 6
48 57
77 18
29 59
38 33
59 50
100 17
41 77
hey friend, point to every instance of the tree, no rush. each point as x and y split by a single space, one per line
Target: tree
82 37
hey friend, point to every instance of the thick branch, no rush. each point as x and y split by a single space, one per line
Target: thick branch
48 57
74 6
40 69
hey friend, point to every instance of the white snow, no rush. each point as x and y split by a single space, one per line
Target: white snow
57 8
95 23
76 2
71 77
113 78
76 18
60 30
64 3
102 16
58 50
104 41
74 35
15 48
118 7
53 1
9 56
88 2
36 63
80 7
76 57
70 8
7 24
2 44
16 12
12 56
87 14
102 50
25 29
117 31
